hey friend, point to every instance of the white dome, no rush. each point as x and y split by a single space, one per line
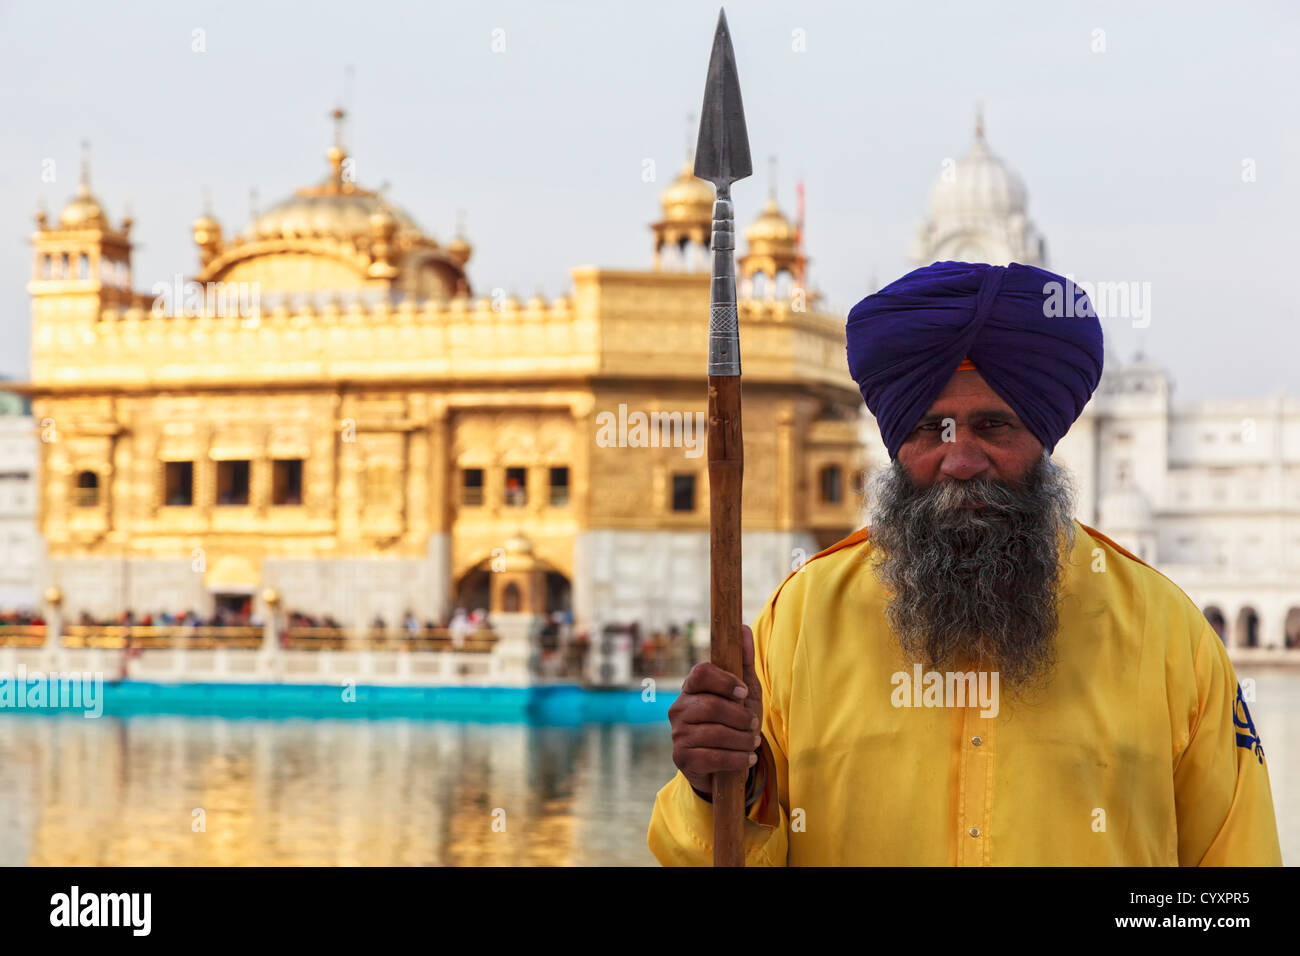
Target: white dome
978 186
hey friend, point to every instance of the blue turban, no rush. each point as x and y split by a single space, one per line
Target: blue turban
1032 334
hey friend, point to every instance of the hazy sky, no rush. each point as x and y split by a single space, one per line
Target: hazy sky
1133 157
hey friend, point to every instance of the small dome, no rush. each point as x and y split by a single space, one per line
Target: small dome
459 250
84 212
207 226
978 185
688 197
772 226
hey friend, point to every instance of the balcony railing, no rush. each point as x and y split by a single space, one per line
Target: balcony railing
374 639
22 635
162 637
246 637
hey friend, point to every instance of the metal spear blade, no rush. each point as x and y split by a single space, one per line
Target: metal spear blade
722 151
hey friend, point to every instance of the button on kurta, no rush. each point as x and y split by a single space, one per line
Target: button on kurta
977 741
974 831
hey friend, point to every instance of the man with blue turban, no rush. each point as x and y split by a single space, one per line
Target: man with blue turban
976 678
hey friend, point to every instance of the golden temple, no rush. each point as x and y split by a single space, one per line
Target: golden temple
327 410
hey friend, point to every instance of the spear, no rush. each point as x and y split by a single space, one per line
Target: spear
722 158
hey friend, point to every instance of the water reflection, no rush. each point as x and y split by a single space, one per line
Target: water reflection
114 792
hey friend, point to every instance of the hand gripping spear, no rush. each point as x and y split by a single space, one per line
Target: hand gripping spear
722 158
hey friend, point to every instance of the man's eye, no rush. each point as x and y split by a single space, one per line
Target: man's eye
931 426
994 423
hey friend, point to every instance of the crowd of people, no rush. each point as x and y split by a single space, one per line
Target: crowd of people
559 651
221 617
460 623
21 618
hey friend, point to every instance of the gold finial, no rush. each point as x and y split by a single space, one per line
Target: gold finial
338 116
979 121
336 152
771 175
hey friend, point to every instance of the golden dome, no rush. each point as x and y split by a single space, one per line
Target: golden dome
459 250
772 226
205 224
340 214
84 212
688 197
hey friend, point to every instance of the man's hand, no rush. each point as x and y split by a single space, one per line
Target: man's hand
714 728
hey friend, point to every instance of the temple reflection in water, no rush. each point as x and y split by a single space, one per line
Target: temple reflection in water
393 792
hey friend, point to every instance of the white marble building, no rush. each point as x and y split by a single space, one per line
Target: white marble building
21 548
1207 492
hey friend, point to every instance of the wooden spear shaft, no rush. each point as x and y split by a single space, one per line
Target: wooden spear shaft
726 469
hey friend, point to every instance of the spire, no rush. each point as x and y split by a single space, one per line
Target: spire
336 153
83 186
771 176
979 121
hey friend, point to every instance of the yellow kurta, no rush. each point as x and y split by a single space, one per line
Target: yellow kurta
1130 756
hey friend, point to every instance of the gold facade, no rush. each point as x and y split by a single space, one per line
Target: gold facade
365 356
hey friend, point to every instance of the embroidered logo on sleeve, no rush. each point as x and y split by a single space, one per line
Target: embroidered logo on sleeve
1247 736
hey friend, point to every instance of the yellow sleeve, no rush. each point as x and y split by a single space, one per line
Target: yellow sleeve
681 824
1223 800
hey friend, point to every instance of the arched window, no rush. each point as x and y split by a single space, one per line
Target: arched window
1248 628
83 266
46 266
1217 621
832 485
1291 628
86 494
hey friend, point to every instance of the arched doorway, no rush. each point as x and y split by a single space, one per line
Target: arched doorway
1248 628
474 590
559 594
1217 621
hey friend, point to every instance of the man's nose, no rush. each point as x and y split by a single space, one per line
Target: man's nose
963 460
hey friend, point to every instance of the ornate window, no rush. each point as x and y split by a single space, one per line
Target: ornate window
86 492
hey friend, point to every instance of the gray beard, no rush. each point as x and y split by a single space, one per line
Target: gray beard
982 583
